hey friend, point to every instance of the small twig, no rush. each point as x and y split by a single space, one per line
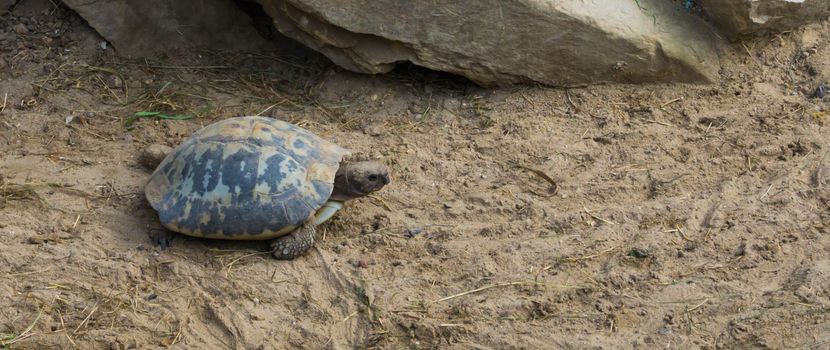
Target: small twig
767 192
95 308
698 305
269 108
568 95
597 217
29 272
5 98
680 231
543 175
658 122
77 220
57 286
672 101
349 316
63 328
448 325
588 257
181 67
178 335
479 290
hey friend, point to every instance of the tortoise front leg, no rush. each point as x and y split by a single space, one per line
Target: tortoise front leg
162 238
295 243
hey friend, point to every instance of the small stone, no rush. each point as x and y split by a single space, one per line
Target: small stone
20 28
153 155
820 91
359 263
639 253
412 232
452 104
374 129
741 250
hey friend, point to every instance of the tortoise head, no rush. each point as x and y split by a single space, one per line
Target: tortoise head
359 179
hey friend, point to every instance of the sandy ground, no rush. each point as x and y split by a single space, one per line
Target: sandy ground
608 217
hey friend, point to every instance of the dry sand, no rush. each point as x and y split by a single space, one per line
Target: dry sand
607 217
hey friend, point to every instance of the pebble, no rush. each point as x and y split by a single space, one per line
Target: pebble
153 155
412 232
374 129
20 28
820 91
452 103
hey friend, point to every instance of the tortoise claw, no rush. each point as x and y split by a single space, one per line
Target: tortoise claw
162 238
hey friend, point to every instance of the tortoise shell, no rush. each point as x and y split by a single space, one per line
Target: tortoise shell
244 178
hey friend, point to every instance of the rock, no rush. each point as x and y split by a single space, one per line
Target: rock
737 18
149 28
374 129
153 155
20 28
500 42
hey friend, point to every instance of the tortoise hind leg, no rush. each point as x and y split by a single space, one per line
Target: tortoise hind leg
295 243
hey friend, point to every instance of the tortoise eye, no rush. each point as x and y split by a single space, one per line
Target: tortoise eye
373 178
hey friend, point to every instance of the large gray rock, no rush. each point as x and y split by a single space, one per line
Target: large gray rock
739 18
566 42
149 28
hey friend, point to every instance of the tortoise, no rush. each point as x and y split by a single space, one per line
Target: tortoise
256 178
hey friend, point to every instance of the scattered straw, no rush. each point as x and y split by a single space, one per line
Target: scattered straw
86 319
571 102
23 335
234 261
176 337
382 202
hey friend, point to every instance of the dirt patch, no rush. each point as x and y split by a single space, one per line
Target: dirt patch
681 216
